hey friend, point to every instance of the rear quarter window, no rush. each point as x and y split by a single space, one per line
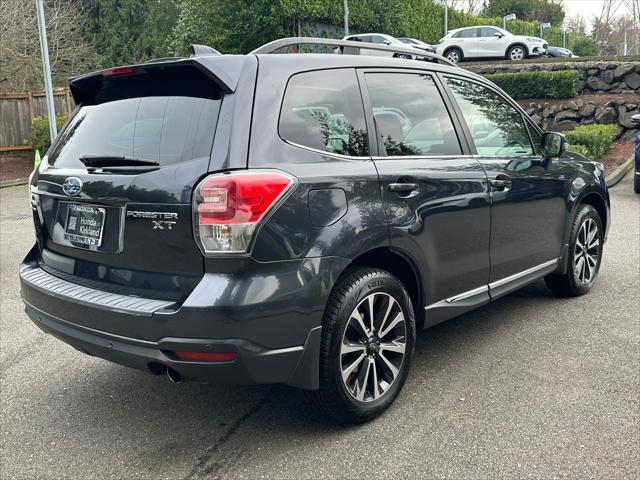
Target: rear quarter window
323 110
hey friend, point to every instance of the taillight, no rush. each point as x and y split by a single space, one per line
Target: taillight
227 208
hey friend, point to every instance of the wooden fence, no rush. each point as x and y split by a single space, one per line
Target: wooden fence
18 109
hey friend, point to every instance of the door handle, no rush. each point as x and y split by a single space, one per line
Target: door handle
405 190
501 183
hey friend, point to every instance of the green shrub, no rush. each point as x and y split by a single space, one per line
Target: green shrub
577 148
595 138
39 136
585 46
539 84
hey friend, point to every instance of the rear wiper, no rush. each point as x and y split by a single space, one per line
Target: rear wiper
101 161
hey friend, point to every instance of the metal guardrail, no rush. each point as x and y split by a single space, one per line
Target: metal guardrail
348 47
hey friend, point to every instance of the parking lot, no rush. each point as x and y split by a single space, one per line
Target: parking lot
529 387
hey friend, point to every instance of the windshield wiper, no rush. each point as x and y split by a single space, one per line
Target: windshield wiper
102 161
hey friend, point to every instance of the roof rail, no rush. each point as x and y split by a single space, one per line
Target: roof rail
283 45
195 50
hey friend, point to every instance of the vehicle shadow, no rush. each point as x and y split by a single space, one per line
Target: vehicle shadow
197 426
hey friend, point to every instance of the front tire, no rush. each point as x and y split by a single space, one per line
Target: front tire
636 181
585 255
517 52
368 337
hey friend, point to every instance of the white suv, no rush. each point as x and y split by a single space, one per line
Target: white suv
488 42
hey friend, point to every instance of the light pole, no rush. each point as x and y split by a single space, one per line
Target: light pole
44 50
625 39
543 26
446 18
346 17
506 18
564 36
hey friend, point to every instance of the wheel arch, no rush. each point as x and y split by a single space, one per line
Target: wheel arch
517 44
596 199
453 47
400 265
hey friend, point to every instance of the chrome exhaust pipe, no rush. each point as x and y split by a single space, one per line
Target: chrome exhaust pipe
174 376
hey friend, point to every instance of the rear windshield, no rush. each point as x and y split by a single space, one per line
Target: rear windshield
163 129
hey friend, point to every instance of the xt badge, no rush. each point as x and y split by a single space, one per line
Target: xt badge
159 220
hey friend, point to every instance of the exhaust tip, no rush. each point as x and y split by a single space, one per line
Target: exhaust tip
174 376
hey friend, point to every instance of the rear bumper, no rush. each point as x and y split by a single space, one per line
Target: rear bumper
270 315
254 364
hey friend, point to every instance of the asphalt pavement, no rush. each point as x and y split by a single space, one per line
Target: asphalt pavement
528 387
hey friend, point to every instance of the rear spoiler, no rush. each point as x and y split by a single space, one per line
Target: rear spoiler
223 70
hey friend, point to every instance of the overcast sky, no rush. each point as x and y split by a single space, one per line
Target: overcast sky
586 8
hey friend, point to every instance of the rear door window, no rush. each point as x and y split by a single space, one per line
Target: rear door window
468 33
323 110
410 115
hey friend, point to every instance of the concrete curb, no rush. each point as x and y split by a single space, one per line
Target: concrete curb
14 183
619 173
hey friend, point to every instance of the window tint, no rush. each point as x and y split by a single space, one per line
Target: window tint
496 127
469 33
323 110
410 115
377 39
488 32
162 129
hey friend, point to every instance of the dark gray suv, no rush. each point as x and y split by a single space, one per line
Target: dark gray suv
295 218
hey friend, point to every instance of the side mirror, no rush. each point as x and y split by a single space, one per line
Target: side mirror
386 42
498 34
635 119
553 144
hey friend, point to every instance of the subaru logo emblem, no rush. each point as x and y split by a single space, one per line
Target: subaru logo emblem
72 186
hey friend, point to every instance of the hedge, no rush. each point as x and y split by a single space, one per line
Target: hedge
40 136
538 84
422 19
595 138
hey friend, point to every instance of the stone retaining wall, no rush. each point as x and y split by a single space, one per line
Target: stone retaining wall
593 76
563 115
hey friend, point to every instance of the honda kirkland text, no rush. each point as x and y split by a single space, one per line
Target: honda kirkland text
296 217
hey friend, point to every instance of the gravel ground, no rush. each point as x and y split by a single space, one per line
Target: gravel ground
528 387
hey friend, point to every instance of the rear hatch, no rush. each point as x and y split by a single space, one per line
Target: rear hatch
112 199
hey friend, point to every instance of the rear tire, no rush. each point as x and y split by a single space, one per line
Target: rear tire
636 181
364 364
454 55
585 255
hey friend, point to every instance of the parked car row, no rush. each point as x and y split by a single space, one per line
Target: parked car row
477 42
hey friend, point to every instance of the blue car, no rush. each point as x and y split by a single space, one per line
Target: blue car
636 177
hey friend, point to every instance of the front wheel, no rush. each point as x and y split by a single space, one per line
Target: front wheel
585 255
636 181
516 52
368 337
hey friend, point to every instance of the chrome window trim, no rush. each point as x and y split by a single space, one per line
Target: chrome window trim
421 157
324 152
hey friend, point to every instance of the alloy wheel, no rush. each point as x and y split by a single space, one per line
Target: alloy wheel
586 252
453 56
517 53
373 347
